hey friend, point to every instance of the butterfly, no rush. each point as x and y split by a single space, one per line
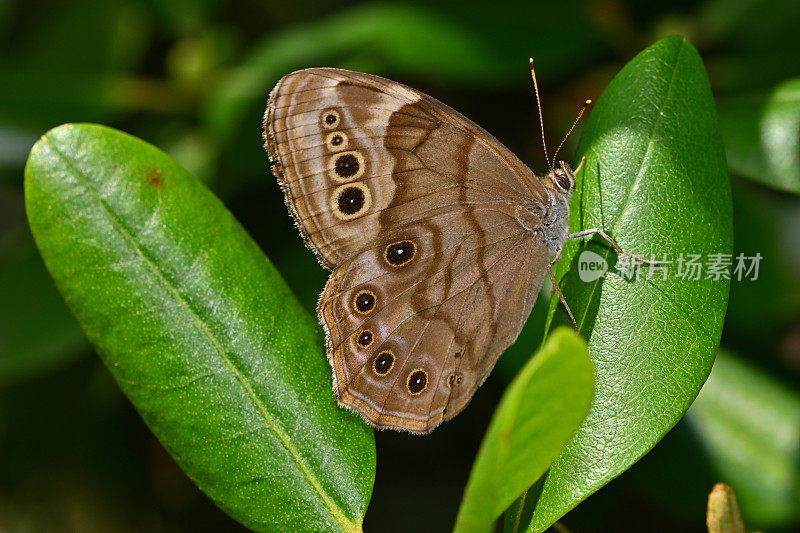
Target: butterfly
437 236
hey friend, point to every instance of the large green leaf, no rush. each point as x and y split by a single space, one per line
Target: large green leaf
749 425
539 412
762 136
655 179
199 330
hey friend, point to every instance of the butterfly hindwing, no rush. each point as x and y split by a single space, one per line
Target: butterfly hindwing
443 312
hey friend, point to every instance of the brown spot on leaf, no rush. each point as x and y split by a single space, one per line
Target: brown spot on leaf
155 178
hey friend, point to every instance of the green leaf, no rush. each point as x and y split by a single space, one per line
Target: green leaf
655 179
762 136
749 425
539 412
199 330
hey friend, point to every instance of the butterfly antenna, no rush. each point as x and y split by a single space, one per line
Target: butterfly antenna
541 120
586 104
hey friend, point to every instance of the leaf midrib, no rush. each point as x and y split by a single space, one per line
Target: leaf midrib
637 180
345 523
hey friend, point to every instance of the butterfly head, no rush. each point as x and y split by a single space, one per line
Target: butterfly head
562 178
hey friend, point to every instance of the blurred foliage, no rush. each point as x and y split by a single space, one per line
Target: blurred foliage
192 77
762 133
749 426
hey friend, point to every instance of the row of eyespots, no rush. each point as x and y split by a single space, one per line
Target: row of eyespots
352 199
396 254
417 380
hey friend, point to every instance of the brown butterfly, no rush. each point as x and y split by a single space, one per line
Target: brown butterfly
437 236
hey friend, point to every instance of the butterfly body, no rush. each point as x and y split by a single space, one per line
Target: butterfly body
555 223
437 236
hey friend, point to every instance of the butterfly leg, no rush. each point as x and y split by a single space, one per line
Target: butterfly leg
558 289
612 242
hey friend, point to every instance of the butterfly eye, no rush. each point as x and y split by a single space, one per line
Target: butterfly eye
383 363
563 181
417 381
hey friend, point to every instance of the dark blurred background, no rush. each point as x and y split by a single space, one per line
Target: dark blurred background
192 77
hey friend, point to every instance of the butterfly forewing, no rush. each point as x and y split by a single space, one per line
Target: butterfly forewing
353 150
416 211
